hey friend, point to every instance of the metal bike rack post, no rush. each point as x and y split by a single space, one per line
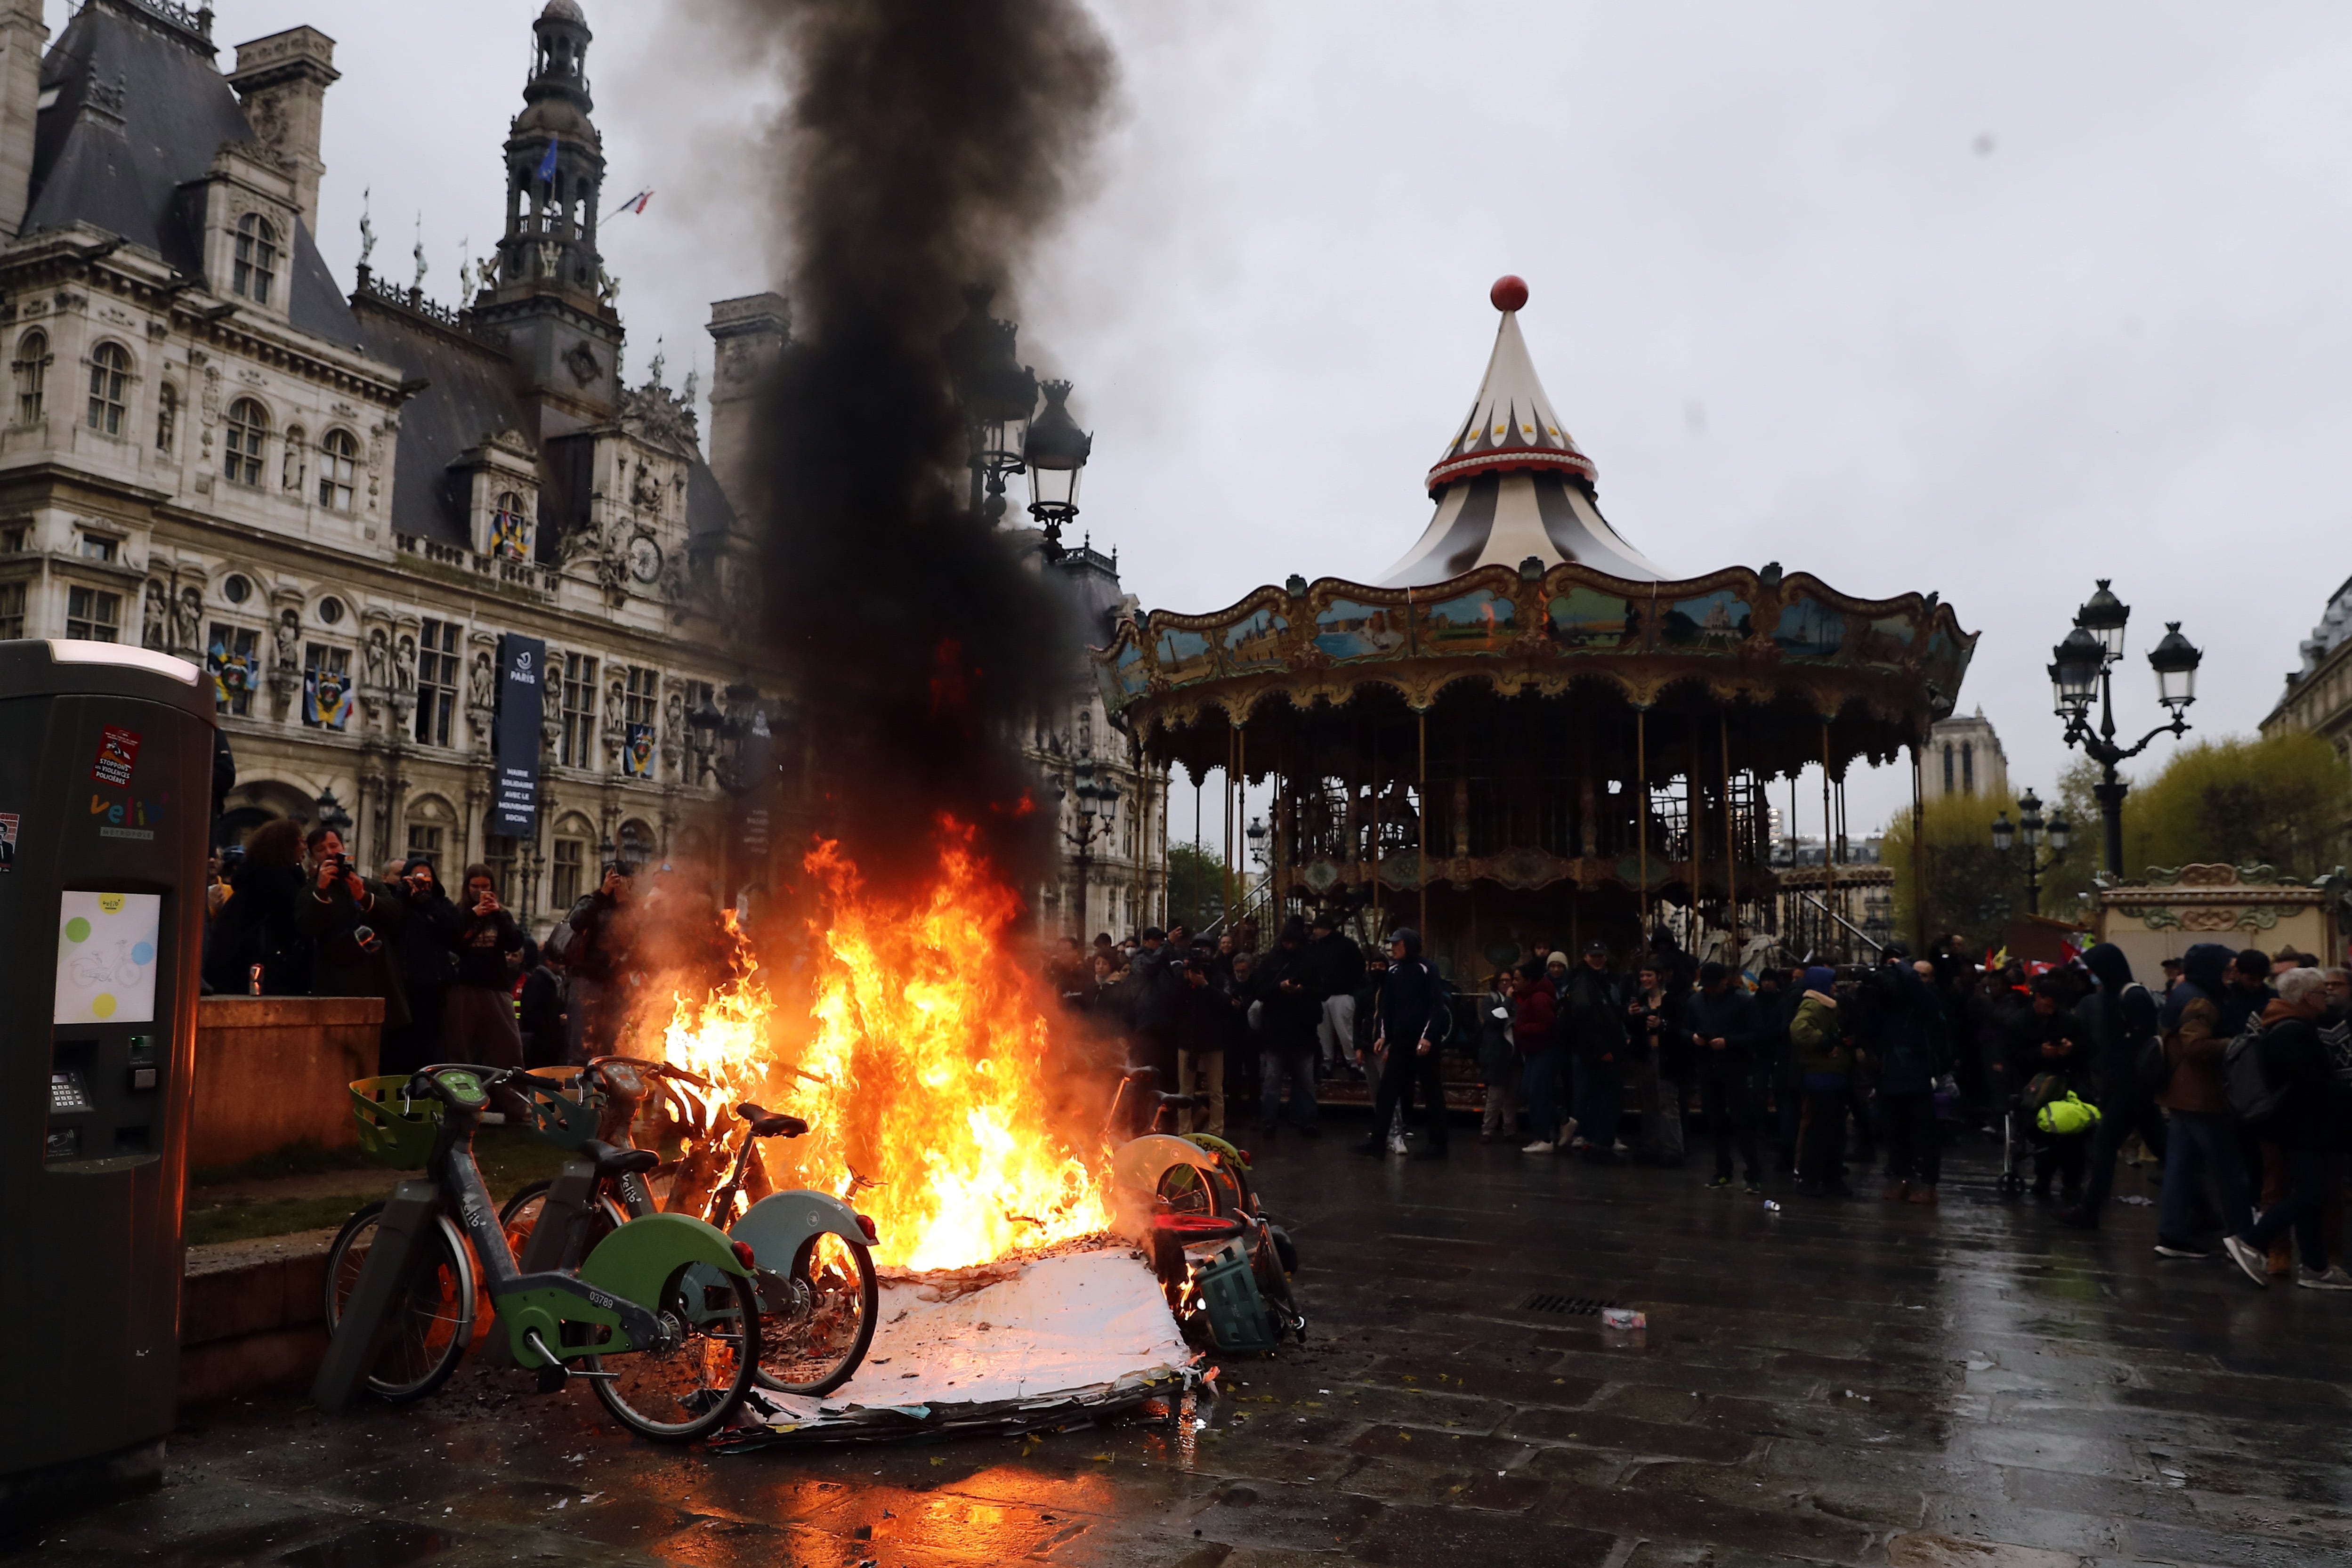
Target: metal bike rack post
105 765
383 1280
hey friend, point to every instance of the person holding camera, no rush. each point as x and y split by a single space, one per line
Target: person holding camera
351 925
477 1016
597 960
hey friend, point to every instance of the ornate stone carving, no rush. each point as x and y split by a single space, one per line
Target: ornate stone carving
157 613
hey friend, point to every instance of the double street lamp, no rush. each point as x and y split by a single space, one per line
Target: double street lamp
1094 793
999 396
2083 666
2031 826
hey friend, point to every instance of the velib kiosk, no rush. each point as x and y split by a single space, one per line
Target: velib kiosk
105 805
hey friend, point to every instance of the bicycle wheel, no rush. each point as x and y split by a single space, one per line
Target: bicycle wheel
431 1321
687 1386
813 1340
520 1218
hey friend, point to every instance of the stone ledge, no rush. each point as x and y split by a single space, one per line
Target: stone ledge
252 1315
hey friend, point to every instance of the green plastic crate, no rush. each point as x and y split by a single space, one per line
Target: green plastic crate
1238 1321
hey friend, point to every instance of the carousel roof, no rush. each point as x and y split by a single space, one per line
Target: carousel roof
1513 483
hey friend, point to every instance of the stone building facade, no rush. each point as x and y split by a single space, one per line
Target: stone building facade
340 503
1964 756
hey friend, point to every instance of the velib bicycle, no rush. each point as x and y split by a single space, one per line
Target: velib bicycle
813 1266
661 1317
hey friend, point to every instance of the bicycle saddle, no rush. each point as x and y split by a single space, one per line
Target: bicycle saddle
766 1123
1183 1101
613 1161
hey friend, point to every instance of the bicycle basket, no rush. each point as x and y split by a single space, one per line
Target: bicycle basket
394 1132
562 1111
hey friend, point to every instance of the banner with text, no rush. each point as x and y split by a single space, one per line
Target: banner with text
514 806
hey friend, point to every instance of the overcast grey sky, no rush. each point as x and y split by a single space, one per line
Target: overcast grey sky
1988 298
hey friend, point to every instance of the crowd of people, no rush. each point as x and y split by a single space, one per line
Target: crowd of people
290 914
2231 1072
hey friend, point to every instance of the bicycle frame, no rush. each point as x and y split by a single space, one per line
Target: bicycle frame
634 1264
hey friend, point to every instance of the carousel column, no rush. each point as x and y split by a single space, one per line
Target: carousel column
1918 859
1829 846
1642 817
1695 813
1730 842
1421 829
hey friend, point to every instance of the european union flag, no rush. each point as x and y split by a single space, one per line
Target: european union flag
547 164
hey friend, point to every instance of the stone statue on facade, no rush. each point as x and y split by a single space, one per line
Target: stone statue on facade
404 668
188 622
152 633
482 695
376 661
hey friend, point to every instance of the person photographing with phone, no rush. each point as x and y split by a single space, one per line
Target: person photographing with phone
351 925
477 1020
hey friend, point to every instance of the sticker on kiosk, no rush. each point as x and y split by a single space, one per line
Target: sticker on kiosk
105 957
7 840
118 753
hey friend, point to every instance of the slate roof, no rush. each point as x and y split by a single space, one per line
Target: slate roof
139 111
469 397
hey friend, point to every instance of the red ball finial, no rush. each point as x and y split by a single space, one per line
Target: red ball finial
1509 292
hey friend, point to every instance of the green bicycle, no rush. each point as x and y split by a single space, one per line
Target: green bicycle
661 1317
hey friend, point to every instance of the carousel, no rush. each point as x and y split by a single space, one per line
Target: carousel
1527 732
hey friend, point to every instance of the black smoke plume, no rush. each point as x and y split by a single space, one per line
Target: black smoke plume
925 147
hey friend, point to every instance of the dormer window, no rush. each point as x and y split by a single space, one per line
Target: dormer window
509 530
256 256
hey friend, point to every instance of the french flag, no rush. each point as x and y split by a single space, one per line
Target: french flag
636 203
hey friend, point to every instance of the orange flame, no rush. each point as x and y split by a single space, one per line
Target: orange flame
926 1071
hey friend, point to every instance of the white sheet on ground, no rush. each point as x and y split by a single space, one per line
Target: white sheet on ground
1064 1328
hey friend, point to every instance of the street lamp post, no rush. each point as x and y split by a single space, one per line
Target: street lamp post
2033 830
1097 817
2083 665
998 393
1055 451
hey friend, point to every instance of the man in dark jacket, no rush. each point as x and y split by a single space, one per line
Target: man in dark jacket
1721 1022
1897 1025
2295 1068
1157 997
2203 1138
597 961
477 1019
427 963
1410 996
1334 967
1284 987
1593 1011
350 925
2121 1019
538 1010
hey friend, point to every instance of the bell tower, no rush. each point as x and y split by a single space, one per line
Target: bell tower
549 298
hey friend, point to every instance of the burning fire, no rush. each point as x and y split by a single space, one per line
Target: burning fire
925 1069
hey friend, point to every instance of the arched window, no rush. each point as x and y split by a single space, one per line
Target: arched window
32 369
339 465
297 465
509 530
109 378
167 417
256 256
248 427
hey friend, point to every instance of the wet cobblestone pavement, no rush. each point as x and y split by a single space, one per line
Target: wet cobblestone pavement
1838 1383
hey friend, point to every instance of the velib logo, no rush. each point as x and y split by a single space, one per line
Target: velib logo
136 817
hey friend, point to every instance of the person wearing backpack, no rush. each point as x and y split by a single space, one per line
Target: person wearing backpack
2286 1092
2121 1018
2203 1137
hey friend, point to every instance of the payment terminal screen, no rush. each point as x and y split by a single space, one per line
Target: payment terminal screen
105 957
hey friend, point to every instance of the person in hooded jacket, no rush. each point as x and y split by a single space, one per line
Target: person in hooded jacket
2120 1017
1535 1032
2203 1138
260 923
1409 997
1284 984
1498 1060
1817 1034
1334 968
1721 1024
427 964
2058 1063
2296 1069
1594 1008
1898 1022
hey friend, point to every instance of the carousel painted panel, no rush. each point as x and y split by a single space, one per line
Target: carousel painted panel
1254 642
1122 675
1809 628
1351 628
1885 641
1478 621
1593 618
1184 654
1717 621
